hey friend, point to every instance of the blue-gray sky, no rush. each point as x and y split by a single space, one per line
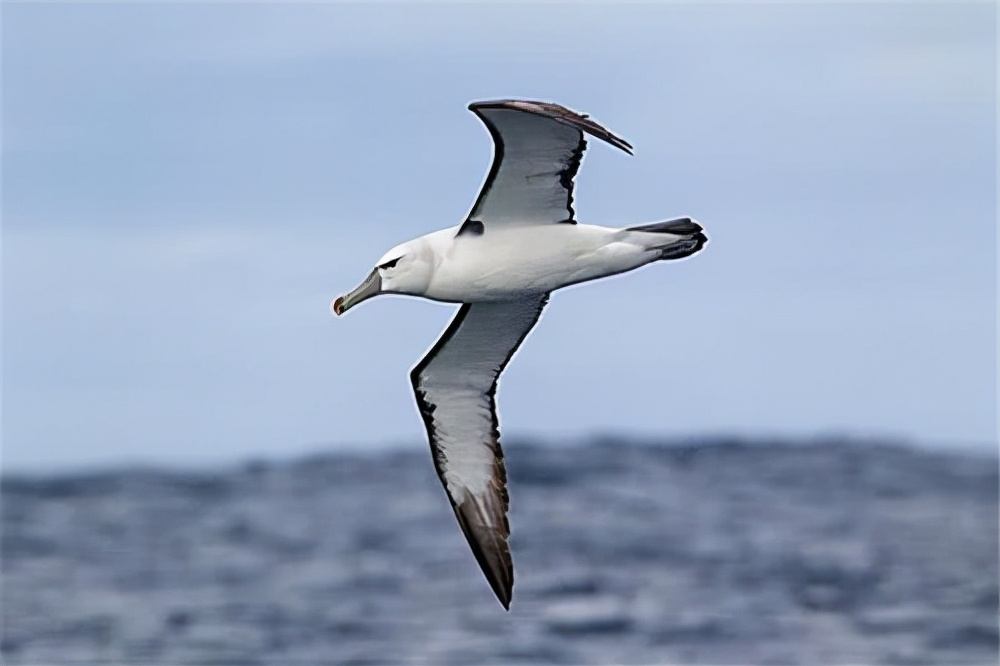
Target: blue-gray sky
186 187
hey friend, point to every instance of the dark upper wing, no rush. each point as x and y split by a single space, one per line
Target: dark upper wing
537 148
455 385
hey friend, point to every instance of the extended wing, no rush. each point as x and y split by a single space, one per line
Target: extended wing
537 148
455 385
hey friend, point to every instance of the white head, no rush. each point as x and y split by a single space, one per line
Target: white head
405 269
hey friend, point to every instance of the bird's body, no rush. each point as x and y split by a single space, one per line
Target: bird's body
524 259
519 243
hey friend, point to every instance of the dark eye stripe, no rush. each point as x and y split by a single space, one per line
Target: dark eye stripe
390 264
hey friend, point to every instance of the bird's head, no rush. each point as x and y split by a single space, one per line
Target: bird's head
405 269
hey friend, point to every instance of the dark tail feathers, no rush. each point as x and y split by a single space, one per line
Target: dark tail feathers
683 226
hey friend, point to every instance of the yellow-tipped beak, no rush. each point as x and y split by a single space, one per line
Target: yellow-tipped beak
372 286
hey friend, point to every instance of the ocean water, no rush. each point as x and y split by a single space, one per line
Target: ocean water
713 552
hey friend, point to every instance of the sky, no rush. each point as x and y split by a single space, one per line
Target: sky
187 186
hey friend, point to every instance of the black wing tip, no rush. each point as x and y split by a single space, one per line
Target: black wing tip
491 553
492 104
557 112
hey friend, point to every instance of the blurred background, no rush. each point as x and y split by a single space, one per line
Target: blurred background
780 451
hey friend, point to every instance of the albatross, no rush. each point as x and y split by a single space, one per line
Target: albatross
520 243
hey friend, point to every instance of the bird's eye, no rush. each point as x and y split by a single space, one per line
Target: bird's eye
390 264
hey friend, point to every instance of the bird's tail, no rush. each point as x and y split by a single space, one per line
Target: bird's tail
676 238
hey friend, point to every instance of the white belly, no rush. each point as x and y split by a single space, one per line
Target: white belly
506 263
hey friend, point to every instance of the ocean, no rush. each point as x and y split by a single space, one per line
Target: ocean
714 551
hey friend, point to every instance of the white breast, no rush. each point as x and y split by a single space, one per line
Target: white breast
509 262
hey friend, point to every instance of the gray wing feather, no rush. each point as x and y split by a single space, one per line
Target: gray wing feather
455 386
538 147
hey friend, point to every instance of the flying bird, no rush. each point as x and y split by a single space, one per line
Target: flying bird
520 242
